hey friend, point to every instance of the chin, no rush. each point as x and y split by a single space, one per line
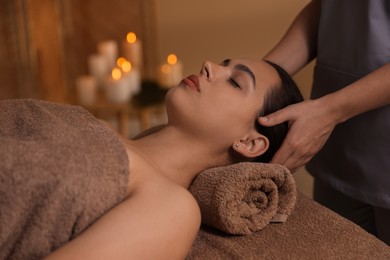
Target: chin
178 107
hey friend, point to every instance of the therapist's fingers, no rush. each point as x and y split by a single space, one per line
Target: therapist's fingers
277 117
310 124
293 161
285 156
298 149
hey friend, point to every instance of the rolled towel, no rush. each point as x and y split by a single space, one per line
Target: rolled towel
245 197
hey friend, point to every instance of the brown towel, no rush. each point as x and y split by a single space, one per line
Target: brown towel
60 170
311 232
245 197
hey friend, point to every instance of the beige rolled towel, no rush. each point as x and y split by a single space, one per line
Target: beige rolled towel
245 197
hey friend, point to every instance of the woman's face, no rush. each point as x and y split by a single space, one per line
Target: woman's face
223 100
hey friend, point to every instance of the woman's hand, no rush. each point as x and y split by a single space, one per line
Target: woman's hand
310 124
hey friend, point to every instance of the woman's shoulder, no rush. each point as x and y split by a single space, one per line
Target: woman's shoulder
157 220
172 216
170 196
164 195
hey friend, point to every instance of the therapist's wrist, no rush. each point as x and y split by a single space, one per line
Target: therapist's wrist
335 108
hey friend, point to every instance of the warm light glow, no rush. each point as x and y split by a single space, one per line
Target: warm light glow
166 68
172 59
116 73
131 37
120 61
126 66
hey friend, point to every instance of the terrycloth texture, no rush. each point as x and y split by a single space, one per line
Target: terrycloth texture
245 197
311 232
60 170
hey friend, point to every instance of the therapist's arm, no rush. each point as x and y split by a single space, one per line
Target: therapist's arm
311 122
299 44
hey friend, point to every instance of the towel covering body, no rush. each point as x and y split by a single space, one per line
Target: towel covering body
60 170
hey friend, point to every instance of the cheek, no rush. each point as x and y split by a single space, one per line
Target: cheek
228 118
214 116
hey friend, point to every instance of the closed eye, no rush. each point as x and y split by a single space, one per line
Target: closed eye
234 83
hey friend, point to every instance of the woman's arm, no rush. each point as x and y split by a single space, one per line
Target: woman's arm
156 222
311 122
299 45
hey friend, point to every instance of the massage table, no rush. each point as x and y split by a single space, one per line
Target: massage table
311 232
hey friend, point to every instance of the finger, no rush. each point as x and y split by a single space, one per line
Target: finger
282 154
275 118
291 165
288 157
296 162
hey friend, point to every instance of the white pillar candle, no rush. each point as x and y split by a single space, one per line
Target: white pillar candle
109 49
132 50
86 89
171 73
176 69
117 87
132 75
164 76
98 68
135 81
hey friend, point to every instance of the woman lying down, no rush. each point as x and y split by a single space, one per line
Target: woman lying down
70 188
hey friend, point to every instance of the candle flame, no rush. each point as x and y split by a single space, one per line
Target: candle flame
131 37
120 61
116 73
172 59
126 66
166 68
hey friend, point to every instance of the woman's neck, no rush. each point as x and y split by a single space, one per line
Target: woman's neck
176 155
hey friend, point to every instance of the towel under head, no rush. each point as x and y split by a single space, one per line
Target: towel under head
245 197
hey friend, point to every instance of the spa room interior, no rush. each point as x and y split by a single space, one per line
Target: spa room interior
118 59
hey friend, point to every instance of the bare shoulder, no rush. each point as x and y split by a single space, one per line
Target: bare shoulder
172 194
159 220
171 221
175 220
175 202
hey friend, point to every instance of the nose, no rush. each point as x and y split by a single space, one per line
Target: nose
208 69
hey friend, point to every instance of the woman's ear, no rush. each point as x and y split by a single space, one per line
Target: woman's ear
253 146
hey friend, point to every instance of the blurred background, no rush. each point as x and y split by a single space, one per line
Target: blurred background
66 51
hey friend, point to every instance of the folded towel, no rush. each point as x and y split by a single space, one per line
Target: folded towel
245 197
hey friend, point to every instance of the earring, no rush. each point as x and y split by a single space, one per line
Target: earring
237 145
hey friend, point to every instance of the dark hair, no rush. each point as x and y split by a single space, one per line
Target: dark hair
278 97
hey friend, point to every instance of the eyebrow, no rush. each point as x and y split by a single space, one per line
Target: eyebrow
242 67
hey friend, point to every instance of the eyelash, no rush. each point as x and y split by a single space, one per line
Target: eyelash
234 83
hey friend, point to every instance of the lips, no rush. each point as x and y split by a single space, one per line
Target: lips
192 81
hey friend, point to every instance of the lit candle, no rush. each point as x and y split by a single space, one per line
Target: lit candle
109 49
117 87
86 89
177 69
120 61
171 73
131 74
98 68
116 74
132 50
125 66
164 76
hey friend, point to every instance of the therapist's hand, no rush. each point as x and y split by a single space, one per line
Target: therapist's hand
310 124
